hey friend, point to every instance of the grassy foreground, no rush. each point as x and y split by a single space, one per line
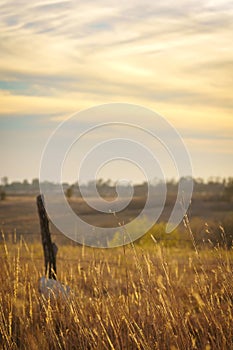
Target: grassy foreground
124 298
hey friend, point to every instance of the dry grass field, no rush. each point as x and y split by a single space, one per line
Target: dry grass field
123 298
18 214
127 298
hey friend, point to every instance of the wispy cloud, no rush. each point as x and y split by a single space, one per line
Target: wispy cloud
58 57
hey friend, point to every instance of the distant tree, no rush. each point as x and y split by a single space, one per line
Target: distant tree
228 189
4 181
35 184
102 186
100 183
199 181
69 191
25 185
2 194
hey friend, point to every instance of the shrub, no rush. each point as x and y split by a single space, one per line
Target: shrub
2 195
156 234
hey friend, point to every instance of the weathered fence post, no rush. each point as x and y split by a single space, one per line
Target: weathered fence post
50 248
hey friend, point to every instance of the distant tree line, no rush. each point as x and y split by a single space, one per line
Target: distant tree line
17 186
214 188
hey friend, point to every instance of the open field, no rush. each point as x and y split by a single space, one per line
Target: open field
18 215
125 298
132 297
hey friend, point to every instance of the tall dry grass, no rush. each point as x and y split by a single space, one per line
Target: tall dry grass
124 298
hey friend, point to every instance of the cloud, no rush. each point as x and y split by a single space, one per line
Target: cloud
58 57
118 49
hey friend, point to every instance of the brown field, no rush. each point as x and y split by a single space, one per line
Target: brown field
18 214
125 298
131 297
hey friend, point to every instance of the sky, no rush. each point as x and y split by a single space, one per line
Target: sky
60 57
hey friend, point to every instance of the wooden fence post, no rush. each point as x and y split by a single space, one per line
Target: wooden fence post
50 248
